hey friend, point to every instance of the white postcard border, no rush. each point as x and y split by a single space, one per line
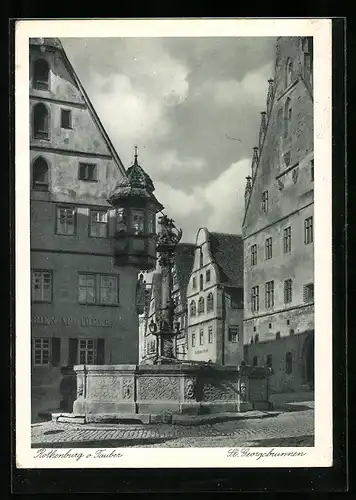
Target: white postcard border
321 454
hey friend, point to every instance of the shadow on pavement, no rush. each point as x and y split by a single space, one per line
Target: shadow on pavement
117 443
285 442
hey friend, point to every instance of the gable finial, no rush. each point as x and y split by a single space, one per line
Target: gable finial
136 154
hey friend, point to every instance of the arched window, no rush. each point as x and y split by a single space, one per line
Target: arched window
201 305
210 302
193 308
40 174
41 75
40 121
287 117
201 258
289 72
201 282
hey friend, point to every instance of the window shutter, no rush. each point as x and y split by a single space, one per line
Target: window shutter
73 352
56 351
100 351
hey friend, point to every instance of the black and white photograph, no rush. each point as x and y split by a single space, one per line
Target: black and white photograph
173 205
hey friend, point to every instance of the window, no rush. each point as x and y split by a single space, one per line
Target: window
40 121
255 299
288 322
41 351
98 223
138 221
308 230
255 361
265 201
308 292
193 308
46 350
66 118
233 334
312 170
210 334
194 282
201 305
151 224
121 225
253 255
280 121
269 297
87 292
87 172
287 239
289 363
289 72
40 175
269 360
236 296
208 275
201 337
86 351
108 290
257 338
287 117
42 286
270 325
201 281
288 291
254 328
41 75
210 302
66 221
98 289
201 258
193 338
268 248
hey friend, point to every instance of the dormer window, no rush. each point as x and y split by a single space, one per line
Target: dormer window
41 75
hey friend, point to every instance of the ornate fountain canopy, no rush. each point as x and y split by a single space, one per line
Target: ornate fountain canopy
136 184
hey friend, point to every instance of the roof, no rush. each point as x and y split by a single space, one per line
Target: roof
55 43
136 183
184 259
227 252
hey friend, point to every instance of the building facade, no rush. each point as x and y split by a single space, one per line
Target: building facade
278 226
215 299
83 306
184 256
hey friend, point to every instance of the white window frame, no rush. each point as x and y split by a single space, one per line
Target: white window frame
42 275
42 350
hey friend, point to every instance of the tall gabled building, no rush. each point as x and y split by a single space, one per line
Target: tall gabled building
83 310
278 225
215 299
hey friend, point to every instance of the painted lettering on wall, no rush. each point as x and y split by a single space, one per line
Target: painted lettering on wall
66 321
201 351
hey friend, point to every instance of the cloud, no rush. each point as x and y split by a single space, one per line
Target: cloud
219 205
251 88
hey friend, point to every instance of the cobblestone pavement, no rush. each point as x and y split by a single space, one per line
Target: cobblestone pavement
284 429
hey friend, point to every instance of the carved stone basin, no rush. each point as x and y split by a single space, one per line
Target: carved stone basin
183 388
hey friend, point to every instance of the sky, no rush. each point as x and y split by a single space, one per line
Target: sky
192 105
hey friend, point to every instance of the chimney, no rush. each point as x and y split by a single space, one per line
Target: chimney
263 128
254 162
269 95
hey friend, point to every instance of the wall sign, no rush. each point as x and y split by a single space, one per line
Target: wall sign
67 321
201 351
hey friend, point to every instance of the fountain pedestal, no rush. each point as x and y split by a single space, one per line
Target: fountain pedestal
151 392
